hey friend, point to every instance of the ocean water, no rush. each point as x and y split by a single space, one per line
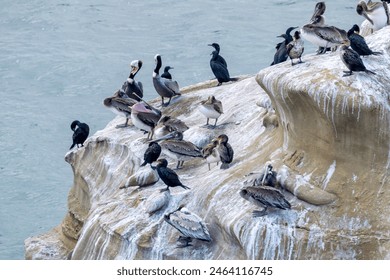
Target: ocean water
59 59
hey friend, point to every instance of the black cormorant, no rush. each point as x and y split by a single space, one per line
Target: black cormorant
152 153
80 133
167 175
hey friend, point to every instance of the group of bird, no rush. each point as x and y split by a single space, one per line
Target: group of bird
165 132
352 45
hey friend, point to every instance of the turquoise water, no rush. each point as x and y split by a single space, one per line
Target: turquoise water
60 59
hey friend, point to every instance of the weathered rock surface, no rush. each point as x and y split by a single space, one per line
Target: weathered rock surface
328 137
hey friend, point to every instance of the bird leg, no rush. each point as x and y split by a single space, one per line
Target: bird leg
182 163
178 164
122 125
347 73
256 214
215 124
207 123
185 241
209 166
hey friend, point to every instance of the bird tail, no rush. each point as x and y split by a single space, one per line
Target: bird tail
184 187
224 165
369 71
235 79
144 163
71 147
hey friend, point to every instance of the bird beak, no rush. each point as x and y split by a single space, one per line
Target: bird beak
210 45
367 17
165 137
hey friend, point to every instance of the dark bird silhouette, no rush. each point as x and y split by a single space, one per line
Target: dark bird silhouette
131 88
269 179
225 151
166 88
264 197
152 153
166 73
281 54
295 48
80 133
219 66
145 117
167 175
352 60
189 225
358 43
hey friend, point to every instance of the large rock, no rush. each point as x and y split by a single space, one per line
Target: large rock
326 135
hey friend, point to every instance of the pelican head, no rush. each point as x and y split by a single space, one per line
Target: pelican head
135 66
319 10
362 10
177 135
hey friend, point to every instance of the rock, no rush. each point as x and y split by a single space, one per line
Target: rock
326 135
145 176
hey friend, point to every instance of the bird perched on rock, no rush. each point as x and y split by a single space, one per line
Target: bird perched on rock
132 88
210 152
80 133
167 175
264 197
152 153
211 108
120 106
376 13
225 151
295 48
269 179
166 73
189 225
352 60
174 146
219 66
145 117
281 54
358 43
166 88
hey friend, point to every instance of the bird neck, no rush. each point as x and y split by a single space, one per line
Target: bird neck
158 66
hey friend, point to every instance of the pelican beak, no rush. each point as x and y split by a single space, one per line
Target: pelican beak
367 17
165 137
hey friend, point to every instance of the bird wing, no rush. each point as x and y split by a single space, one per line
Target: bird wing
220 70
327 33
190 225
359 45
171 85
354 62
176 124
169 177
268 196
182 147
218 106
122 104
226 153
149 119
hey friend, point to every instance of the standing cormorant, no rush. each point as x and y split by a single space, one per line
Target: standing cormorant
134 89
225 151
166 73
120 106
145 118
265 197
165 88
152 153
376 13
295 48
219 66
281 54
358 44
211 108
167 175
175 147
80 134
189 225
352 60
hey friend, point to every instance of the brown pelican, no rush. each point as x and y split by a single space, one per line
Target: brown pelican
120 106
167 175
132 88
157 201
269 179
358 43
264 197
80 133
225 151
376 13
165 88
281 51
167 124
352 60
210 152
152 153
145 118
211 108
166 73
176 148
295 48
189 225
